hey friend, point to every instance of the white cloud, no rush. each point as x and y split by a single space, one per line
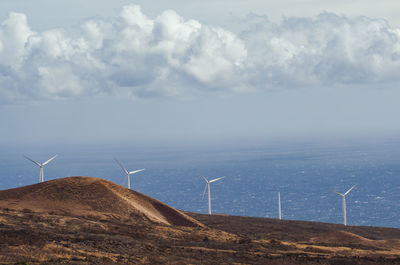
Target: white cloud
326 50
13 37
137 56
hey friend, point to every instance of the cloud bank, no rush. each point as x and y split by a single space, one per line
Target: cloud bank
169 56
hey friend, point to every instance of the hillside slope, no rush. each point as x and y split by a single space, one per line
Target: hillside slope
91 196
82 220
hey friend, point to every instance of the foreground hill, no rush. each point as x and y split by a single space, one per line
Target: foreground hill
84 196
83 220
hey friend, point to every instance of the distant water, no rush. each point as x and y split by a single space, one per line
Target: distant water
306 175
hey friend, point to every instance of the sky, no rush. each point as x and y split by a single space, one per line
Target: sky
132 71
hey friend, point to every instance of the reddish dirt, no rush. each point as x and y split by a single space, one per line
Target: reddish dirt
82 220
91 196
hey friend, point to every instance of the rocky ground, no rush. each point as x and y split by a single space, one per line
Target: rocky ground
31 235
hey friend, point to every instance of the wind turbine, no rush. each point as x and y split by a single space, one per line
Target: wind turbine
344 203
209 195
41 177
128 173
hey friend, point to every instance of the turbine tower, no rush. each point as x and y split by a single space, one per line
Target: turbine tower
209 194
41 177
128 173
344 203
279 206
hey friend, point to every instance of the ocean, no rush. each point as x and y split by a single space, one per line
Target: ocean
306 173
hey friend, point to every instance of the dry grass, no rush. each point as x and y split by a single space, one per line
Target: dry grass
71 224
91 196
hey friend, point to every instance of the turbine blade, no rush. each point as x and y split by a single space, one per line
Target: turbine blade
214 180
347 192
205 179
136 171
204 192
339 194
126 171
48 161
124 181
33 161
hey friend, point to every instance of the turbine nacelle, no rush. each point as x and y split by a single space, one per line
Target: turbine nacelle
211 181
128 173
347 192
41 165
208 183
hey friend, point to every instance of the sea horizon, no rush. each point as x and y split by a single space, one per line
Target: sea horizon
306 173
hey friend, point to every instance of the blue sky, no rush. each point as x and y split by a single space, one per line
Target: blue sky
161 71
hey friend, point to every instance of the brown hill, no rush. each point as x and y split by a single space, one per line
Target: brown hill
345 238
340 237
82 220
88 196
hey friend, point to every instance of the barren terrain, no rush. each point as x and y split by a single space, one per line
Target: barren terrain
82 220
